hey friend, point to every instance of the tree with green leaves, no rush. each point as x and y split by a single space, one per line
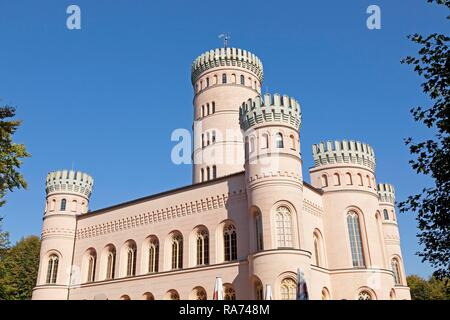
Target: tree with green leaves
10 154
19 268
432 156
432 289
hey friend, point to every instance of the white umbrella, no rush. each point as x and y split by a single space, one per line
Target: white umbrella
268 295
218 289
302 288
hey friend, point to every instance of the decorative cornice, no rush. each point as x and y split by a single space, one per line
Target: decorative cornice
69 181
227 57
351 152
276 108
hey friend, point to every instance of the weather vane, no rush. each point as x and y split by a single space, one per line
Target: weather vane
226 37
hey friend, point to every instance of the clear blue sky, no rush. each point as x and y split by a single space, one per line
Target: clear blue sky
107 97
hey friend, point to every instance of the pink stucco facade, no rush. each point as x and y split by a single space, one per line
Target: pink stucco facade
248 217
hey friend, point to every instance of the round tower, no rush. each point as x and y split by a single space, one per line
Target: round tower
391 236
345 172
222 79
67 196
273 172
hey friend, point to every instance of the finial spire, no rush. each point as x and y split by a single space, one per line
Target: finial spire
226 37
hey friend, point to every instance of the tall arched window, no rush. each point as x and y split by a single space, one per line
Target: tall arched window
203 111
252 145
354 233
365 295
265 141
216 80
153 255
63 205
396 269
288 289
233 78
292 138
172 295
230 242
242 79
368 181
348 179
214 172
198 293
337 179
324 180
259 293
283 220
202 247
91 267
325 294
386 214
207 82
317 250
111 263
177 251
207 109
202 171
259 232
52 269
213 136
208 173
131 259
213 107
360 179
228 292
224 78
279 140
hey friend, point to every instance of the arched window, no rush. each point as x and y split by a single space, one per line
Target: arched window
111 264
213 136
233 78
324 180
288 289
74 206
354 233
360 179
230 242
325 294
202 247
259 232
131 259
279 140
214 172
202 171
348 179
153 255
203 110
207 138
207 82
213 107
252 145
392 294
125 297
91 267
365 295
207 109
337 179
199 293
52 269
292 139
283 220
177 251
265 141
148 296
242 79
203 140
224 78
172 295
396 269
215 79
63 205
317 250
208 173
386 214
52 205
228 292
368 181
259 293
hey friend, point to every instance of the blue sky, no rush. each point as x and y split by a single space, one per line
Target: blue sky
106 98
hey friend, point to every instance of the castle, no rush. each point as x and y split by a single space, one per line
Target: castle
248 216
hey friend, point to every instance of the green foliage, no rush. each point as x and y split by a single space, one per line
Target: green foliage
433 289
10 154
18 269
432 156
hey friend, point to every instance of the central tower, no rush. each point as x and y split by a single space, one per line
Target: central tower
222 79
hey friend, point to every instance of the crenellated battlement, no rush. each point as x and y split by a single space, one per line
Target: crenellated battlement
351 152
227 57
271 108
386 193
69 181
